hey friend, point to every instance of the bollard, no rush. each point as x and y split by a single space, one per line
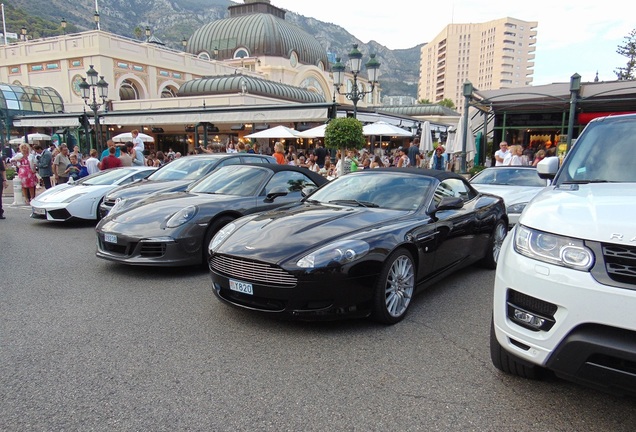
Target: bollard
18 198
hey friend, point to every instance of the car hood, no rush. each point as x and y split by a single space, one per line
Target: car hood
510 194
281 234
158 209
597 211
148 187
63 192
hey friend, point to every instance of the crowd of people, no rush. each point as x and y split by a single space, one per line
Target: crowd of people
43 166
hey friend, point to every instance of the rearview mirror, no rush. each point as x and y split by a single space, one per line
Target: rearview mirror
275 193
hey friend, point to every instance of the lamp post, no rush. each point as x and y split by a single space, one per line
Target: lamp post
98 88
468 93
355 62
147 33
575 87
184 43
96 18
63 24
23 33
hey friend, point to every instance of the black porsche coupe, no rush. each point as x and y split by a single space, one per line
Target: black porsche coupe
361 245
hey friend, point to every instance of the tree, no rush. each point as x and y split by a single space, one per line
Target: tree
424 102
448 103
342 133
628 50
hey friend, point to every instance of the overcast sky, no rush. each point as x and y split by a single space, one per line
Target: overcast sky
572 36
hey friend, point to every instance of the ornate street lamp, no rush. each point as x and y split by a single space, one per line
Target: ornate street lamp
91 86
23 33
355 63
63 24
216 53
184 42
96 18
147 33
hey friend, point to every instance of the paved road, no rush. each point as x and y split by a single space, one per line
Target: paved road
91 345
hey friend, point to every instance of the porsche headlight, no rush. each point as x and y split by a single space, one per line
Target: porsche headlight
220 236
182 216
340 252
553 249
516 208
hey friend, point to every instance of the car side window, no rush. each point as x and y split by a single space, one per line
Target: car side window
254 159
453 188
229 161
290 180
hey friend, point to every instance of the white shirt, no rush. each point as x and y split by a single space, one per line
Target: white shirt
139 144
504 155
92 165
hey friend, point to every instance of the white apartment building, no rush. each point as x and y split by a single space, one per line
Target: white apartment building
492 55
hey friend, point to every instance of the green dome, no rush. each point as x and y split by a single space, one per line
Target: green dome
233 84
260 34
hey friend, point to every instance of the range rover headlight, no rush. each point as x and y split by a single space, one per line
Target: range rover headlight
340 252
553 249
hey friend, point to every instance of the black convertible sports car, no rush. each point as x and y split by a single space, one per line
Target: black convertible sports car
174 229
360 245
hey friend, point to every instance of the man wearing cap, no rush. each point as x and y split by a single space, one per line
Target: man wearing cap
414 152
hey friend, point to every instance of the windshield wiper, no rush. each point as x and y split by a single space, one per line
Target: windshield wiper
353 201
586 181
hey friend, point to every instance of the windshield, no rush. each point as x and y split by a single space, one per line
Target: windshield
107 177
232 180
603 153
186 168
509 177
395 191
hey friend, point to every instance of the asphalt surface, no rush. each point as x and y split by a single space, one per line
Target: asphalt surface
91 345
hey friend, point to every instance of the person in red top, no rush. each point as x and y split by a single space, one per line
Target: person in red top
110 161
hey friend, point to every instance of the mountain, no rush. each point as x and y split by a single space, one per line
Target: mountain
173 20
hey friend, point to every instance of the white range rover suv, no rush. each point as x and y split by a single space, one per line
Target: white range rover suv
565 285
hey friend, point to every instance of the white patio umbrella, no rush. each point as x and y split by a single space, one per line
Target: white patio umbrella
275 132
426 140
127 136
16 141
455 144
315 132
384 129
38 137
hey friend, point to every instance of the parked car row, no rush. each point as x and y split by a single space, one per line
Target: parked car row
284 241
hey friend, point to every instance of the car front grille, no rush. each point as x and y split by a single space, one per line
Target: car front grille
252 271
620 263
152 250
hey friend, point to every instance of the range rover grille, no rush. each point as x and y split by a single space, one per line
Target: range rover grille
252 271
620 263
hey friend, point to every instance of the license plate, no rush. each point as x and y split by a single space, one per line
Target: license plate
242 287
110 238
39 211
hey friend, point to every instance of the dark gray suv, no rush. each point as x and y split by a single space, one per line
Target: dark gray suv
177 176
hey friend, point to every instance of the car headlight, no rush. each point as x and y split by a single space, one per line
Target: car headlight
516 208
553 249
220 236
74 197
182 216
340 252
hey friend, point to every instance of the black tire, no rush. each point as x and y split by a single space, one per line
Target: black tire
98 216
394 288
214 227
509 363
494 245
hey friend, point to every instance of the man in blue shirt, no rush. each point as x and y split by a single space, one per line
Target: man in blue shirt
109 144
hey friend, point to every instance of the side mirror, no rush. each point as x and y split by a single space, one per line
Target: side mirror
275 193
548 167
450 203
